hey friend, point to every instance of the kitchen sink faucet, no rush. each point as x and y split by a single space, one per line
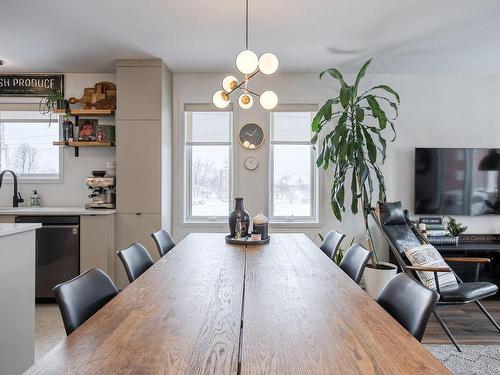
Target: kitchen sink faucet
16 199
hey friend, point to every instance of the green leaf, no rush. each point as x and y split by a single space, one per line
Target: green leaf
345 95
370 145
388 89
314 139
361 74
322 113
336 210
391 103
360 114
377 112
343 151
335 74
354 191
341 195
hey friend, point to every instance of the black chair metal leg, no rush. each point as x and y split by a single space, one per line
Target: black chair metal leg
446 329
490 318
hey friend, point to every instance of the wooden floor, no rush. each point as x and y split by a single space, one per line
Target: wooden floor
467 323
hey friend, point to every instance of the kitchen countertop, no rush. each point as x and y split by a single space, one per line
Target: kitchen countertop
13 228
55 211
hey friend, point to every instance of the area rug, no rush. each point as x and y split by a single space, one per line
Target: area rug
474 359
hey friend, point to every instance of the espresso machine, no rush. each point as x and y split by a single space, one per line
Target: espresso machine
103 193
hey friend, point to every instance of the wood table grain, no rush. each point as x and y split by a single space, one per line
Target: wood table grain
303 315
212 308
182 316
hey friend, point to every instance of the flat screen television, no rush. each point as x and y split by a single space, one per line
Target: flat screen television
457 181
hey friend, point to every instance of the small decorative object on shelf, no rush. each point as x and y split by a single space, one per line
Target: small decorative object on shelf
243 216
455 228
261 225
87 129
52 103
105 133
67 129
101 96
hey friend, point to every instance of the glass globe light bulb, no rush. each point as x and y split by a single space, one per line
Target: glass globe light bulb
268 100
220 99
229 83
268 63
247 62
245 101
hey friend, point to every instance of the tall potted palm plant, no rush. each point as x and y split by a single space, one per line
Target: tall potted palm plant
351 129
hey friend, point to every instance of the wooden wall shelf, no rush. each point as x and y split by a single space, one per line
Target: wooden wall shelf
78 144
86 112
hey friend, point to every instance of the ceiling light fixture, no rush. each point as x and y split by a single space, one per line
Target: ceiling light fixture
249 64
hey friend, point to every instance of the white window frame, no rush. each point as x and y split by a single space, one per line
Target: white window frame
187 167
314 180
35 178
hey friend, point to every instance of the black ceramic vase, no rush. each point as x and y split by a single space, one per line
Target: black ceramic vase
239 213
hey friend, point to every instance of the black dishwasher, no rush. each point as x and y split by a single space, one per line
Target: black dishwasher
57 252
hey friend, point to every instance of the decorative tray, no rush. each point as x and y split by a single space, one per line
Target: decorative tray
246 240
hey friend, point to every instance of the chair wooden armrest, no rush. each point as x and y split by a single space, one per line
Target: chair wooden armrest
428 269
467 260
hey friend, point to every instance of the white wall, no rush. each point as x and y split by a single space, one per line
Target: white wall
436 111
71 191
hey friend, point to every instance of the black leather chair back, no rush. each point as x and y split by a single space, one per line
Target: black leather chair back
354 262
163 241
83 296
409 302
396 228
136 260
331 243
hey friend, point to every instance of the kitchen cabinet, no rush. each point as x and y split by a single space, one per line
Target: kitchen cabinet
138 167
135 228
17 293
97 243
140 89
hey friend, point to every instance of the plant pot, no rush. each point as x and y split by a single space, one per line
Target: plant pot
62 104
376 278
456 240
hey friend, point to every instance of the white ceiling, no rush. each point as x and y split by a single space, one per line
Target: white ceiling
404 36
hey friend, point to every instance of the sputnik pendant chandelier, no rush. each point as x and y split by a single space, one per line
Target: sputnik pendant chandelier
249 65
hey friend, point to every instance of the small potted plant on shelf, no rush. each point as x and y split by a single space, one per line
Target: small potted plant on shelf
350 130
455 228
52 102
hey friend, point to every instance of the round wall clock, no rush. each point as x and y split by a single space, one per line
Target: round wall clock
251 136
251 163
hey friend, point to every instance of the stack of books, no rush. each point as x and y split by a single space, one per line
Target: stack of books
436 232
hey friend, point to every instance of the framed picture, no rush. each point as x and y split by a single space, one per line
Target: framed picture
105 133
87 129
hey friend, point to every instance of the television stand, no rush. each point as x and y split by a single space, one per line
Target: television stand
475 245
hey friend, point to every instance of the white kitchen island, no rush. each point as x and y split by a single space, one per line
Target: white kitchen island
17 296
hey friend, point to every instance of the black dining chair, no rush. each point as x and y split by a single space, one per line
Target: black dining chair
354 262
409 302
164 241
80 298
331 243
136 260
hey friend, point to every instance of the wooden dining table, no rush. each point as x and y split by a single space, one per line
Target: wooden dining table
208 307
